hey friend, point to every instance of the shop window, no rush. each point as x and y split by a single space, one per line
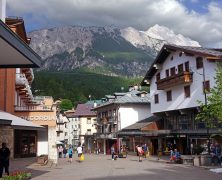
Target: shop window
156 98
169 95
187 91
206 86
187 68
199 62
180 68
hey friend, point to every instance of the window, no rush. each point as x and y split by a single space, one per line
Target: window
88 120
199 62
88 131
169 95
206 87
180 68
172 71
167 73
187 91
156 98
187 68
158 77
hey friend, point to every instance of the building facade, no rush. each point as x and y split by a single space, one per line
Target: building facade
116 113
85 119
178 79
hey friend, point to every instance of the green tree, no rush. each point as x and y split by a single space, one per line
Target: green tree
65 105
210 111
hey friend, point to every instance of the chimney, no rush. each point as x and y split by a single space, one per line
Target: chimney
2 10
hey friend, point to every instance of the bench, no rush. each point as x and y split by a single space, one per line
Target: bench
188 160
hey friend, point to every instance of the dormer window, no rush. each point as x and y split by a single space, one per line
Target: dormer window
199 62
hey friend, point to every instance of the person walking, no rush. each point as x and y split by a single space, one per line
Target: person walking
145 150
4 159
70 152
112 152
79 151
65 152
140 152
60 149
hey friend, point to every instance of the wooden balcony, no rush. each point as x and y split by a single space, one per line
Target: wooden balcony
183 78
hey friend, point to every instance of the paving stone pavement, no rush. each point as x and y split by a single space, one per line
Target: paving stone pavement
98 167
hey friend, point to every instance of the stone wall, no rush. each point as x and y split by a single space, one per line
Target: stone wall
53 154
7 135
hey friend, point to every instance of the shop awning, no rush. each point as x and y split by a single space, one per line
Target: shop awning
14 51
59 142
18 123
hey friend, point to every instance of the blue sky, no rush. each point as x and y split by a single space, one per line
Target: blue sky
201 20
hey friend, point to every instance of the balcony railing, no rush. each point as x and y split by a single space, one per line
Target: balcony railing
33 108
105 136
178 79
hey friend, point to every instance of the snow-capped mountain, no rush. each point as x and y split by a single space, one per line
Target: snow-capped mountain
155 37
108 50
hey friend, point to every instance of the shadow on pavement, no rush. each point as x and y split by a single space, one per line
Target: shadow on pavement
28 165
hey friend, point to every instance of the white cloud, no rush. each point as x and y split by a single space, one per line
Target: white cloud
141 14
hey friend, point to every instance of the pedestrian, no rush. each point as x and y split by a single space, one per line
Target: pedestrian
112 152
64 152
4 159
60 149
70 152
79 151
145 150
140 152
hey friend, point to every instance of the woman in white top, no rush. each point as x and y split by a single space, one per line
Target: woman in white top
79 151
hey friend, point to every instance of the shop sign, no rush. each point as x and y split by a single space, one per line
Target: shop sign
39 118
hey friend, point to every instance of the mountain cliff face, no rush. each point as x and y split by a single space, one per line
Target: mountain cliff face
105 50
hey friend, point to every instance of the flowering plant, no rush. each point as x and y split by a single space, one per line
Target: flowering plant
18 175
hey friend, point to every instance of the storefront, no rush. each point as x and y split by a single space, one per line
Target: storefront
25 143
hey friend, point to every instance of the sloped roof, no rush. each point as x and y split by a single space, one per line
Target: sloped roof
129 98
143 123
168 48
84 110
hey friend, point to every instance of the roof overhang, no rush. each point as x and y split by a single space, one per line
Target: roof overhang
18 123
167 49
14 51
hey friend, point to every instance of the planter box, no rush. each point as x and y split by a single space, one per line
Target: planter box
205 160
